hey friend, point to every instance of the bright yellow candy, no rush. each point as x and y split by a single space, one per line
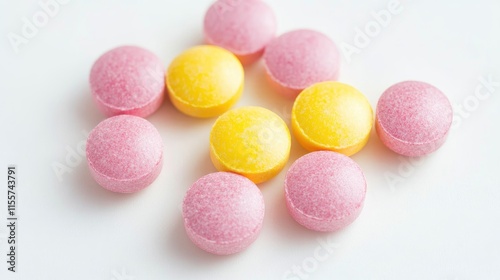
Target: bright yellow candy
251 141
332 116
205 81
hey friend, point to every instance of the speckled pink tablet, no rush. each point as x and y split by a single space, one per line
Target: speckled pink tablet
244 27
299 59
325 190
128 80
125 153
223 213
413 118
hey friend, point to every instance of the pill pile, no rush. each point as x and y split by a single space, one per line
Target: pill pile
223 211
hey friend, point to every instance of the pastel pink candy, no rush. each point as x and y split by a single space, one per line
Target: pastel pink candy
299 59
325 191
128 80
223 213
244 27
124 153
413 118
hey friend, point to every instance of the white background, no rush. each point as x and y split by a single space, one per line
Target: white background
439 220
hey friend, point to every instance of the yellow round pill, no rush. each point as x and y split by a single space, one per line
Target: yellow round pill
251 141
205 81
332 116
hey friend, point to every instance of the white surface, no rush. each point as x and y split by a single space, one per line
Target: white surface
442 221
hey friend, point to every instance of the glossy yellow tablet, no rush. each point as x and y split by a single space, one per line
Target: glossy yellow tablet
205 81
332 116
251 141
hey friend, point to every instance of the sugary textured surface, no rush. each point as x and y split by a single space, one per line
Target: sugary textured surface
128 80
223 213
125 153
244 27
332 116
413 118
325 190
205 81
251 141
300 58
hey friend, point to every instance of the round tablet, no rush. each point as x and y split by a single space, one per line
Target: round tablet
325 191
298 59
251 141
128 80
413 118
124 153
223 213
205 81
243 27
332 116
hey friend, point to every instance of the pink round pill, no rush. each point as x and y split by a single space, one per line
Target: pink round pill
223 213
128 80
413 118
125 153
299 59
244 27
325 190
